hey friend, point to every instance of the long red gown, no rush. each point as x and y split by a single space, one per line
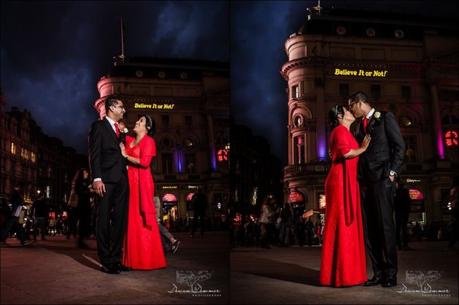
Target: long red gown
343 252
143 249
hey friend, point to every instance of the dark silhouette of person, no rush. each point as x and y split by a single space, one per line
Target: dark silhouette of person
402 203
12 224
309 231
40 212
199 204
82 184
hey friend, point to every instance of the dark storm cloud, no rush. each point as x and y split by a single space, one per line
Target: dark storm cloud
53 53
258 33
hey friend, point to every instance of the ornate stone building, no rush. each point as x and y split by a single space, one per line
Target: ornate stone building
407 65
189 102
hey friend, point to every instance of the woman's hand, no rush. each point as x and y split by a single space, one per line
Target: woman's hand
366 142
123 150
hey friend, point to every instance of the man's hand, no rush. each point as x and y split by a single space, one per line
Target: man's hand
99 188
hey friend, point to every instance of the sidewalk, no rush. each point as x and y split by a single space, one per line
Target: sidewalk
55 272
428 274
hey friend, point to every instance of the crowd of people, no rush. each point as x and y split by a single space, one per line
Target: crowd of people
277 225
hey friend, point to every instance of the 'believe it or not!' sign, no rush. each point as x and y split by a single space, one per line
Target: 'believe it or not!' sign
361 73
154 106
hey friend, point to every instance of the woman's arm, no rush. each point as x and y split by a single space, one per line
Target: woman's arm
133 160
357 152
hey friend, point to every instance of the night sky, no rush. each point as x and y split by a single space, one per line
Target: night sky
259 31
53 53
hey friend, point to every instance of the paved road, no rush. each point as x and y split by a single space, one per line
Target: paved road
55 272
290 276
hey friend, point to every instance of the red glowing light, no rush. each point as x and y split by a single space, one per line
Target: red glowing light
222 155
451 138
295 197
189 196
169 198
416 194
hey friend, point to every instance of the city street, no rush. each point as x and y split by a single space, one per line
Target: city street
55 272
428 274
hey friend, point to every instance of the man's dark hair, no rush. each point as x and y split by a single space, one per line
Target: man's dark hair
359 96
111 100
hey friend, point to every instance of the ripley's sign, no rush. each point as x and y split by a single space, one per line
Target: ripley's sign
361 73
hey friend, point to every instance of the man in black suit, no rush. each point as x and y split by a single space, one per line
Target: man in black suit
377 169
108 169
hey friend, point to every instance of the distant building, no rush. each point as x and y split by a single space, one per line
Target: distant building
189 102
406 64
33 161
255 172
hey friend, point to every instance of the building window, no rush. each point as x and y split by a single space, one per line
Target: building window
298 121
13 148
188 120
33 157
165 121
299 150
190 163
411 148
375 91
344 90
167 163
296 91
406 92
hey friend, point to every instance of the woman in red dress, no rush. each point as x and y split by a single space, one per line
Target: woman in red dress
343 252
143 249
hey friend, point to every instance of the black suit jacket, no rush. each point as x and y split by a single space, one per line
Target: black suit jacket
386 150
105 159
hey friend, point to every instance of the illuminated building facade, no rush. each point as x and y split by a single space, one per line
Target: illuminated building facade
189 102
33 161
406 65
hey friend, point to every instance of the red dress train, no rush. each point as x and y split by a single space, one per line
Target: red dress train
343 252
143 249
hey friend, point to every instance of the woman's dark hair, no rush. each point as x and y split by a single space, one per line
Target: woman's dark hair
149 123
333 115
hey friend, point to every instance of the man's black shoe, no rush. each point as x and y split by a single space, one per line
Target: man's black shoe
389 283
110 270
373 281
121 267
175 246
